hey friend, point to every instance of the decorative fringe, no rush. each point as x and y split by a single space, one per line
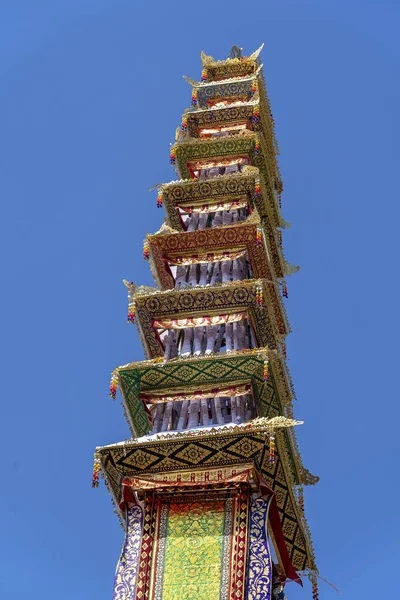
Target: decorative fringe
113 385
259 295
146 246
284 349
254 86
285 291
271 448
257 147
257 189
194 96
184 126
314 583
279 236
159 198
204 76
256 115
258 238
96 471
280 200
266 370
172 155
301 501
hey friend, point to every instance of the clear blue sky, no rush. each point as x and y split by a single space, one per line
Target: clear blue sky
91 93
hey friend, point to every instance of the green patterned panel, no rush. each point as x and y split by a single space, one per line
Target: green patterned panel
130 387
193 551
181 374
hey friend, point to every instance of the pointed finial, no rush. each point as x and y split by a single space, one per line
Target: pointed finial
257 52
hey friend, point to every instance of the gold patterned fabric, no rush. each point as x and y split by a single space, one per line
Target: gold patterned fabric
232 391
206 321
215 206
193 550
201 258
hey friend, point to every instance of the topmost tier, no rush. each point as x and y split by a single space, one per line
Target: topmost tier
236 66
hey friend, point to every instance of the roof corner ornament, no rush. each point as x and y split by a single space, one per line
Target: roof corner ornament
255 54
205 59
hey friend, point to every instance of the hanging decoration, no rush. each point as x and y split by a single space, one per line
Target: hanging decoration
206 321
194 96
159 197
146 250
96 470
214 206
254 86
256 115
314 583
279 236
131 304
284 349
201 258
257 147
259 295
285 293
172 155
113 385
266 370
257 189
131 312
258 238
232 391
184 125
204 76
271 448
280 200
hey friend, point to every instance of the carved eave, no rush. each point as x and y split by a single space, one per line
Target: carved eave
239 237
215 70
193 153
170 377
204 450
201 301
179 194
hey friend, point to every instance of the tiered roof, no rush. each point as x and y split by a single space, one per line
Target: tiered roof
229 123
